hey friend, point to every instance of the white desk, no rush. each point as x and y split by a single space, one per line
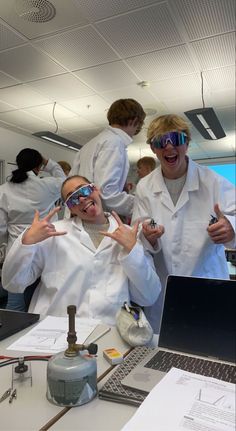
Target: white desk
31 410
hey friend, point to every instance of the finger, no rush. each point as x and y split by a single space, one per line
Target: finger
36 216
104 233
218 212
52 213
56 233
115 215
135 227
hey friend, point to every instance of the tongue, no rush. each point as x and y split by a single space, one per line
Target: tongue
91 210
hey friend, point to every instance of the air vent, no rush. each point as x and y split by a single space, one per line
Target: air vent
38 11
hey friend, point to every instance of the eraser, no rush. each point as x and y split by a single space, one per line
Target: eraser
113 356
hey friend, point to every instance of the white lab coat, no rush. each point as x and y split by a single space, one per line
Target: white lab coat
104 161
18 202
73 271
186 246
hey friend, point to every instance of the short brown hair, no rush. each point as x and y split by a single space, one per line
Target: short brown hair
123 110
147 161
167 123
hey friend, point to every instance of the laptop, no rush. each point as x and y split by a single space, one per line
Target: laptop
12 322
197 334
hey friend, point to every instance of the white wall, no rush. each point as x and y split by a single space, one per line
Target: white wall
11 143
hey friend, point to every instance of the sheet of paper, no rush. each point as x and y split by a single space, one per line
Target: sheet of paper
186 401
50 335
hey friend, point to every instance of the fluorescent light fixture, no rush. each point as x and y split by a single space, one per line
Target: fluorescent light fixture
59 140
206 122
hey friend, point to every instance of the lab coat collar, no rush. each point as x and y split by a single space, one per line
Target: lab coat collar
191 184
85 238
126 139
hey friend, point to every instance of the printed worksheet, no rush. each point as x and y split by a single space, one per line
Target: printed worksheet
184 401
49 335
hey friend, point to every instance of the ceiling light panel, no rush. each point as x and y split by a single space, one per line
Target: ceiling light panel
163 64
27 63
78 49
9 38
62 87
95 10
216 51
141 31
107 76
203 18
65 17
22 96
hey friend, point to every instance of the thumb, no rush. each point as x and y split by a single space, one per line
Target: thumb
218 212
36 216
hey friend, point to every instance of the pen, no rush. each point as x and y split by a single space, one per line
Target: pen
100 335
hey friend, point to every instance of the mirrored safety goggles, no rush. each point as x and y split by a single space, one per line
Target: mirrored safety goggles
81 192
174 138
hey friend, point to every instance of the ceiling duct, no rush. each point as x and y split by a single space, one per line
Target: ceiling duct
37 11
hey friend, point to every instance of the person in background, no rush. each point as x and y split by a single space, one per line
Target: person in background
145 165
24 193
195 206
65 166
104 159
92 260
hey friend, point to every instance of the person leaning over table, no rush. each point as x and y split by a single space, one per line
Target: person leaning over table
181 196
104 159
91 260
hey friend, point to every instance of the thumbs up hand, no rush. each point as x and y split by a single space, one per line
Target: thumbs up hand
41 229
222 231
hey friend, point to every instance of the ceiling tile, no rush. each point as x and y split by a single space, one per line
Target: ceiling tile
18 13
142 95
25 120
141 31
216 51
9 38
223 78
204 18
21 96
87 106
180 87
5 107
78 49
45 112
6 80
31 64
162 64
62 87
95 10
107 76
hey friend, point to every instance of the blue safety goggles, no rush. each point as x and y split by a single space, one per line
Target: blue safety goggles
81 192
174 138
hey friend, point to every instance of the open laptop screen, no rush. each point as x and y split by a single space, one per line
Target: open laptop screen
199 317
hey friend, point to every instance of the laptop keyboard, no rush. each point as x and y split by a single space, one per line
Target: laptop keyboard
164 361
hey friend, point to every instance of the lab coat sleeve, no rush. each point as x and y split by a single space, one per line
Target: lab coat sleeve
54 169
227 203
141 213
108 166
21 267
3 219
144 283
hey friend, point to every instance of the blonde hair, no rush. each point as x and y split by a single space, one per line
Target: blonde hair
65 166
167 123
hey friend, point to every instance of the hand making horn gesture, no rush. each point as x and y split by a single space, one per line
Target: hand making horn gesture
124 235
41 229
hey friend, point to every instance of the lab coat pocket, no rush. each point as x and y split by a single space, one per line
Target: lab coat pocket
195 237
116 285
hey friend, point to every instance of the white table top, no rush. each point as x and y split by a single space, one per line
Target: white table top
31 410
